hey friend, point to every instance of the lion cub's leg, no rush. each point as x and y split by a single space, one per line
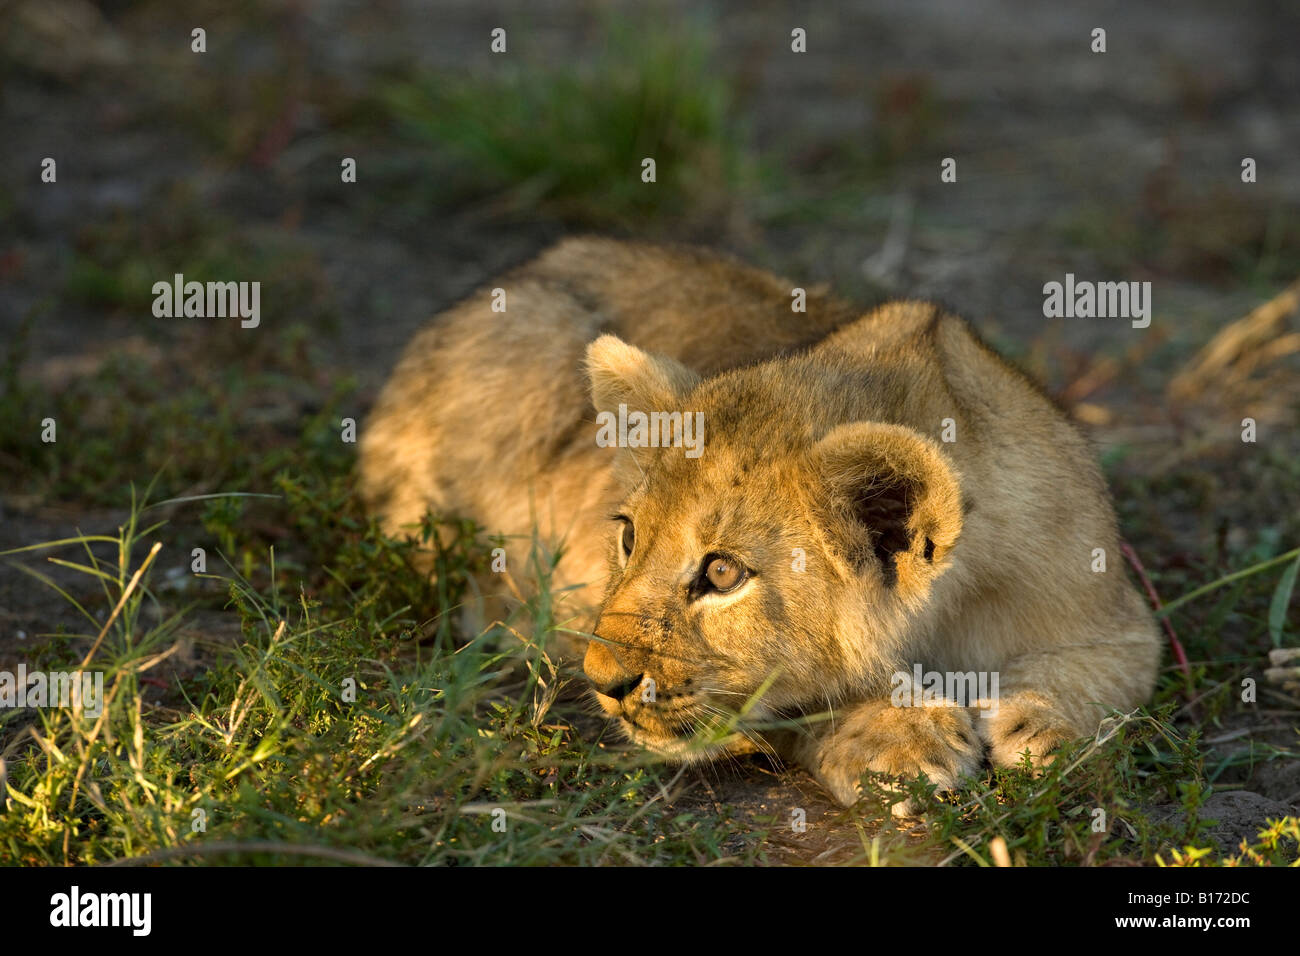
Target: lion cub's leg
1050 697
876 735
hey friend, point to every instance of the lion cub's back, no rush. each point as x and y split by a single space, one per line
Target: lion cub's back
702 308
482 403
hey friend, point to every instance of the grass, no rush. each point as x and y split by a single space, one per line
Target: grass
309 698
345 724
1227 236
207 409
570 143
320 735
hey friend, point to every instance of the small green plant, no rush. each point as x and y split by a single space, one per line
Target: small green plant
1089 806
1278 844
571 141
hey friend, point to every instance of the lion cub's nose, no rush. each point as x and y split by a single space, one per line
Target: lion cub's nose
620 689
607 675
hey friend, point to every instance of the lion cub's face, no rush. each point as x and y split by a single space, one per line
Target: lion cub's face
769 575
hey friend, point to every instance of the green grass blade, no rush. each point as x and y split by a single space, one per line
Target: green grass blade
1281 599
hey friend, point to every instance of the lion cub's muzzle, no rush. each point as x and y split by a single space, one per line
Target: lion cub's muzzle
625 688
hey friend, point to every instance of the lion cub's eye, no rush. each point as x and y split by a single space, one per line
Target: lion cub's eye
723 573
628 538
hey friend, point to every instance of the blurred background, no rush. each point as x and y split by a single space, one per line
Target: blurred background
823 166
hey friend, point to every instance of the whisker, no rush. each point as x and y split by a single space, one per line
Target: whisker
757 740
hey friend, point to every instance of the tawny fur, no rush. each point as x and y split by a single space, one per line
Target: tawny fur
872 542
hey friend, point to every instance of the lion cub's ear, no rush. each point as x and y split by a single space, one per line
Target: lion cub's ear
895 499
622 374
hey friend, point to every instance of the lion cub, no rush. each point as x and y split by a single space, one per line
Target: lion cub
773 513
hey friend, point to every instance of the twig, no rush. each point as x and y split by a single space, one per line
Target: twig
1179 654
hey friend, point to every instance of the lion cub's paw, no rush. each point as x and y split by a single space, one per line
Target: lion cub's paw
1024 723
901 741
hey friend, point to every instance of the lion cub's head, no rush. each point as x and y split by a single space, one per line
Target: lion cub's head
772 571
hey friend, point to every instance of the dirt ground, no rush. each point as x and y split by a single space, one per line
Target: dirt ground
1123 165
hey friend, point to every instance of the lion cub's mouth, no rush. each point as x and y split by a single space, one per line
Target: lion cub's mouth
685 746
684 733
677 722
